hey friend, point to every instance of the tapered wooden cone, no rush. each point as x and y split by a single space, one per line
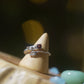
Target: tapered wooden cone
44 41
11 73
39 63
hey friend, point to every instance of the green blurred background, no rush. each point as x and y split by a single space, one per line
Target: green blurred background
63 20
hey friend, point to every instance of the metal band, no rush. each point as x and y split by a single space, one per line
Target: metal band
35 53
34 50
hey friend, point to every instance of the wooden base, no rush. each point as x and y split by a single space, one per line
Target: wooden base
11 73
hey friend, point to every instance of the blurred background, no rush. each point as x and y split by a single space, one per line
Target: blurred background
22 22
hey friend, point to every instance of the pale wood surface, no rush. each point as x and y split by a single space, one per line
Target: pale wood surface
11 73
9 58
41 62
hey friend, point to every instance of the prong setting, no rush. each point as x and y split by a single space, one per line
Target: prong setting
33 50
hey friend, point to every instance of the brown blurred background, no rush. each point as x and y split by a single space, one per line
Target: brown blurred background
62 19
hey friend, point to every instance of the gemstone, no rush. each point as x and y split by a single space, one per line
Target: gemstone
39 46
54 70
31 48
33 53
57 80
73 77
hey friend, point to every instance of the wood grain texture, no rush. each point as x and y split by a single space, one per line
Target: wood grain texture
11 73
40 62
10 58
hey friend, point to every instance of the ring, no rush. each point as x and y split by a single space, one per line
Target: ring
34 50
36 53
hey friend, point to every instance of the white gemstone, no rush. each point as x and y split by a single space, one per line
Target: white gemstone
33 53
31 48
